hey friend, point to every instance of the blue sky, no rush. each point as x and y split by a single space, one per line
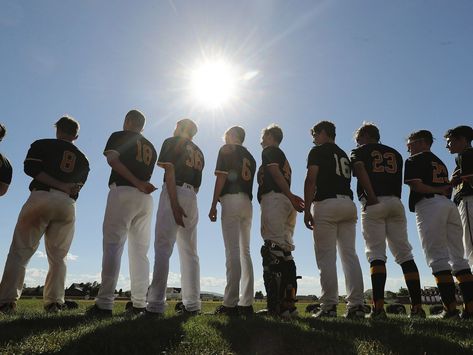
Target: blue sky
404 65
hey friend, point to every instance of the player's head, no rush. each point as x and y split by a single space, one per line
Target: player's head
234 135
67 128
271 136
419 141
323 132
367 133
134 121
3 131
185 128
459 138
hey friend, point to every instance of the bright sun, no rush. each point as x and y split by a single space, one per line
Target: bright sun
214 83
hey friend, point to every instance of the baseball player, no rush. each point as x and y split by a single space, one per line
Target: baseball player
128 214
278 220
459 142
378 169
438 223
331 214
235 172
59 169
6 170
177 218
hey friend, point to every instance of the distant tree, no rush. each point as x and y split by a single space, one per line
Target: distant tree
389 295
120 292
259 295
403 292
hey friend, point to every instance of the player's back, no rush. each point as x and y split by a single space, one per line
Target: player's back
187 158
135 152
240 166
334 173
383 165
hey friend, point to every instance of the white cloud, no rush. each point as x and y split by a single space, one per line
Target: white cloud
72 257
40 254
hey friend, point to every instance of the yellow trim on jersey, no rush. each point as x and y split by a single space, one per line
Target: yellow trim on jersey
411 276
221 172
378 269
444 279
464 278
412 180
163 164
271 164
466 176
110 150
34 159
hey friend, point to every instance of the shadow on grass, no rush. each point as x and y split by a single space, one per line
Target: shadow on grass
18 328
129 336
261 335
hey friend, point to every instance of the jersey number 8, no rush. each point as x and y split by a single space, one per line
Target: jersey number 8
68 162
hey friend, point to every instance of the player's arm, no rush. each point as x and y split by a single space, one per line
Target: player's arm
220 179
170 180
361 174
3 188
418 186
113 159
297 202
310 184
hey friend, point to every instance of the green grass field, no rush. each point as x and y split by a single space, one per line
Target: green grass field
31 331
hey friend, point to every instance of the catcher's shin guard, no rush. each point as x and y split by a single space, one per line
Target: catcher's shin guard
280 280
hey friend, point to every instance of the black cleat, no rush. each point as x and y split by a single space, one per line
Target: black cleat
131 310
448 315
245 310
8 308
181 309
96 312
224 310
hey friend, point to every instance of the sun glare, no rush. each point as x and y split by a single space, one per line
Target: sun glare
214 83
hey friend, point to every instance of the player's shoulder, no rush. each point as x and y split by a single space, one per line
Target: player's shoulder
467 153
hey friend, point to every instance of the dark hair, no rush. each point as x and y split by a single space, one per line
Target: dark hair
326 126
3 131
188 126
238 131
136 118
275 131
460 131
422 134
368 129
68 125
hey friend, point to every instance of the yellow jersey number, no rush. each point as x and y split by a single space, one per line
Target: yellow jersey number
68 162
194 158
144 153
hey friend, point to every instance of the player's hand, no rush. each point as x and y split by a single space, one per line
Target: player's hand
71 188
455 181
297 203
146 187
309 220
213 214
445 190
179 215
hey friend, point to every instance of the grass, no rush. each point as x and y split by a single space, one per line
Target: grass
31 331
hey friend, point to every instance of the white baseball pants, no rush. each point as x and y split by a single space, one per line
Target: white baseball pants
167 233
51 213
335 226
386 221
440 231
237 213
278 220
128 215
466 213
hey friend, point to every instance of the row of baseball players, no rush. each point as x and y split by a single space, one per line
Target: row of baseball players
59 170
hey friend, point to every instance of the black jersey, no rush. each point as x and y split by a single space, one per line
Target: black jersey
334 174
427 168
239 165
272 156
6 170
135 152
464 169
384 167
58 158
187 158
